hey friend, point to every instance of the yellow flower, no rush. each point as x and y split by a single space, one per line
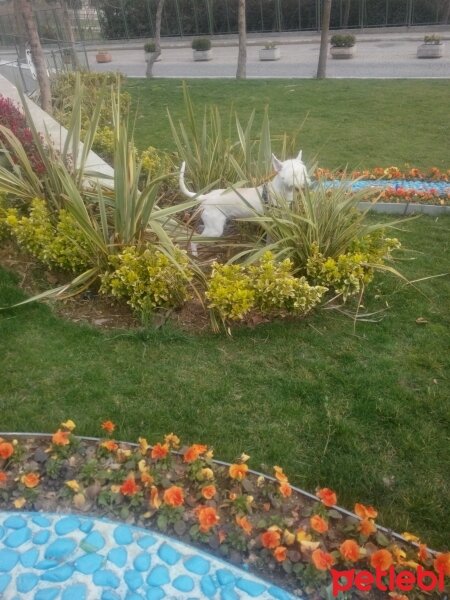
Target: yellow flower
143 445
173 440
115 489
142 466
208 455
69 424
288 537
260 481
410 537
19 503
73 485
205 474
244 457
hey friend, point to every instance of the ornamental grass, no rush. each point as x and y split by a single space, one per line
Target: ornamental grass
292 537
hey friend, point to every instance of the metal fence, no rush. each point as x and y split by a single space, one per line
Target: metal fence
127 19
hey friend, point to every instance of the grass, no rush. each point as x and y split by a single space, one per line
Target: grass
365 413
360 123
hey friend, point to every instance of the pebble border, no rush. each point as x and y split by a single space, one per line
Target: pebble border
48 556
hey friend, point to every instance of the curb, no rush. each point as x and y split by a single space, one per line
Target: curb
405 208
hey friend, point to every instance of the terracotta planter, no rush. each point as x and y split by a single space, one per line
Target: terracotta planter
269 54
342 52
103 57
430 51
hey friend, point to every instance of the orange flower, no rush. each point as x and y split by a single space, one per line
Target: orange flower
207 517
30 480
271 538
108 426
146 479
3 477
327 496
442 563
238 471
322 560
61 438
381 560
209 491
244 524
160 451
350 550
155 501
422 553
6 449
129 487
285 490
280 553
174 496
193 452
318 524
280 475
395 596
366 512
109 445
367 527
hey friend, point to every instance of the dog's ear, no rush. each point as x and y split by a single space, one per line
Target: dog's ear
277 164
299 157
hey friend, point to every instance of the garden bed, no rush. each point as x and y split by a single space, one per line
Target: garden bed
257 521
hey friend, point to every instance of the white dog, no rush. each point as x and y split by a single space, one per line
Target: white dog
218 206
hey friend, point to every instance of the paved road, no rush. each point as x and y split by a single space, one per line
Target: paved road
377 56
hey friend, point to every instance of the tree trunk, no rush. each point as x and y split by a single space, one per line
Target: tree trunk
37 53
154 55
69 34
322 66
241 72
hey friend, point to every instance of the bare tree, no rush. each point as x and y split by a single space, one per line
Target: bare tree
241 72
155 55
322 66
37 54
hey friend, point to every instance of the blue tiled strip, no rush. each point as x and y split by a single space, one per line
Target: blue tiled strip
69 557
441 187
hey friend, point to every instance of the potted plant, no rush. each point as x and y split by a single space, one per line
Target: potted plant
103 56
202 49
432 47
270 51
342 45
149 49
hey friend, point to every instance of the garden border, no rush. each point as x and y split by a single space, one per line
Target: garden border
296 489
405 208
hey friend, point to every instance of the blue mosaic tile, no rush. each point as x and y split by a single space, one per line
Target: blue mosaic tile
146 541
86 526
155 593
25 582
75 592
29 558
89 563
41 521
59 574
17 537
60 549
168 554
93 542
47 594
142 562
106 578
41 537
123 535
225 577
8 560
45 564
197 565
2 532
158 576
252 588
183 583
110 595
208 586
118 556
67 525
133 579
228 593
4 581
14 522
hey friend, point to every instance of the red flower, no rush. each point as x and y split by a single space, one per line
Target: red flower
207 517
271 538
322 560
381 560
6 450
160 451
193 452
442 563
318 524
350 550
280 553
129 487
61 438
174 496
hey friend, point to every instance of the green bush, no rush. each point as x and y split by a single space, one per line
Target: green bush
148 280
201 44
150 47
341 40
269 287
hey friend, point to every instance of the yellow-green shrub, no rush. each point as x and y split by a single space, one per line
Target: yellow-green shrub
150 160
269 287
104 142
4 229
349 272
61 244
148 279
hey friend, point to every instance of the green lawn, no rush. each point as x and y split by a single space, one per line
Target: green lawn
360 123
364 413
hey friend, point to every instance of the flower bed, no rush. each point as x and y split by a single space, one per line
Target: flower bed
299 540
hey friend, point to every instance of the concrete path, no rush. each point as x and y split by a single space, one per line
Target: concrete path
378 55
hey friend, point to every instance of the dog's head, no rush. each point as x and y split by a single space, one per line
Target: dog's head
291 174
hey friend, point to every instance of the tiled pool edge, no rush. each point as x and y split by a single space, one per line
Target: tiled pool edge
122 568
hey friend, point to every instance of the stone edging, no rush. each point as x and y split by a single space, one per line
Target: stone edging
405 208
